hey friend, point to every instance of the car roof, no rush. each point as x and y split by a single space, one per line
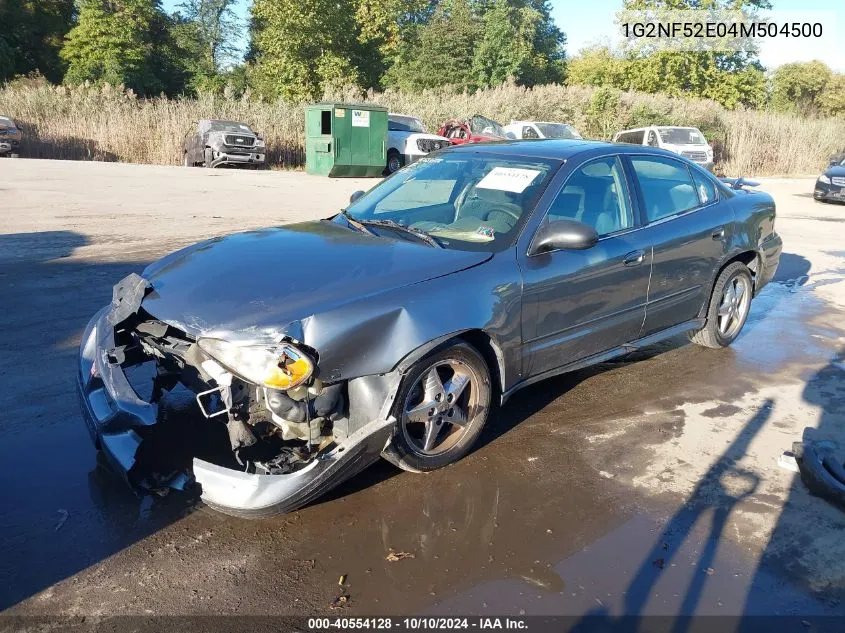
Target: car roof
558 149
406 116
544 148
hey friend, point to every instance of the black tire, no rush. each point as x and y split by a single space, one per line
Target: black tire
711 335
402 451
395 161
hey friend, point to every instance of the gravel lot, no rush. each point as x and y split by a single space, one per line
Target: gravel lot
647 485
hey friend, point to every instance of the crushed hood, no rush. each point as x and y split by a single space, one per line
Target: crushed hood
255 284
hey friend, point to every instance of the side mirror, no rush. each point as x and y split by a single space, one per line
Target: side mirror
563 234
354 197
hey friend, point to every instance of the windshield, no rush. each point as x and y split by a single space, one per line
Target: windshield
557 130
229 126
681 136
404 124
466 201
487 127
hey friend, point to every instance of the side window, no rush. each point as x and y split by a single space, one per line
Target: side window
705 187
652 139
595 194
637 137
666 185
529 132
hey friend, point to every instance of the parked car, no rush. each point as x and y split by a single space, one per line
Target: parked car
476 129
10 137
434 296
830 186
215 143
408 141
689 142
541 129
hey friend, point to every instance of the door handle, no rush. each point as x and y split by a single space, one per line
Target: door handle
719 233
634 258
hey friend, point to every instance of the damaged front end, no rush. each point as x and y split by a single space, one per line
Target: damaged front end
251 425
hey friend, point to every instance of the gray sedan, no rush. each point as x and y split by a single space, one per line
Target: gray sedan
262 368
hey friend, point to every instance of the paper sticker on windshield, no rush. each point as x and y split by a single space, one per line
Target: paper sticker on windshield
511 179
486 231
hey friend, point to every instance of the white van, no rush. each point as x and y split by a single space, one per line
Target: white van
689 142
541 129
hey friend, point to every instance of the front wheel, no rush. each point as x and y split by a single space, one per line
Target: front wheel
442 406
728 309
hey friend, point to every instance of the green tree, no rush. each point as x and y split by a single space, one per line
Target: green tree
441 52
126 42
832 99
520 41
598 66
733 78
798 87
31 35
304 46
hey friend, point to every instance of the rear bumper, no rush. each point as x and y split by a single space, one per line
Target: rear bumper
770 250
116 416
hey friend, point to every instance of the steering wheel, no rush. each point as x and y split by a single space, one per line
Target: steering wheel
506 209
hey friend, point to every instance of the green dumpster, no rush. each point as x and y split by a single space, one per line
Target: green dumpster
345 140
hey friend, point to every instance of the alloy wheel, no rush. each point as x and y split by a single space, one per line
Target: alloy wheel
437 408
734 306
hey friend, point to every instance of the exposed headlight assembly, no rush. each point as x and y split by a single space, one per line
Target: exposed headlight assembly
824 179
277 366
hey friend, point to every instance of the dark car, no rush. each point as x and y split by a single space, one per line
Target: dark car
213 143
267 366
830 186
10 137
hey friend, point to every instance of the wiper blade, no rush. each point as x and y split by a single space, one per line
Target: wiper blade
393 224
355 223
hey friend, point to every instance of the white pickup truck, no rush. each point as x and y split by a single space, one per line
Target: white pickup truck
541 129
408 141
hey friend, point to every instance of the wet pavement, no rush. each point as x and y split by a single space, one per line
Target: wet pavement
648 485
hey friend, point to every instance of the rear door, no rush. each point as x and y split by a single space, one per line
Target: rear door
580 303
689 231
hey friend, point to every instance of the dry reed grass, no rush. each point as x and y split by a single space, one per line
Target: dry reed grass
91 123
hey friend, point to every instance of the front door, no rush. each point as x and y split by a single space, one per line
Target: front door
579 303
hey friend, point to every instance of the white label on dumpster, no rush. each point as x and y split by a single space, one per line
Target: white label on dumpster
360 118
508 179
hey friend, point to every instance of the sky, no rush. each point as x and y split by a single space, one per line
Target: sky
592 22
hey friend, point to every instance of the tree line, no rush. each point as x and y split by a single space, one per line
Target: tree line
299 49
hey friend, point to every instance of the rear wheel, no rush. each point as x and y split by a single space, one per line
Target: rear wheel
728 309
442 406
395 162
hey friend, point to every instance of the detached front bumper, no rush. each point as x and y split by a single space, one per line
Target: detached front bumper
116 418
